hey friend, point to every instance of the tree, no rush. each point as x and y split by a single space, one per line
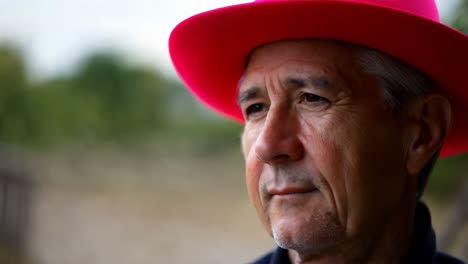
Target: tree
460 20
13 95
129 100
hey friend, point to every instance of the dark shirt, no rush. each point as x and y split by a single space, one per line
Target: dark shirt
422 249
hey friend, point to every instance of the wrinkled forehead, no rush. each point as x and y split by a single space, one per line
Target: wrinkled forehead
299 57
300 50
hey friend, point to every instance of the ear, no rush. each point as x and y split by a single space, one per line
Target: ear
431 119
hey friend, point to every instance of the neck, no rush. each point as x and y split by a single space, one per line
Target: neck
386 246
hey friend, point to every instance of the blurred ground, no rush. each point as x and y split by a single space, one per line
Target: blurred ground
181 210
170 210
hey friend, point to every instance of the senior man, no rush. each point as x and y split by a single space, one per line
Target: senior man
347 105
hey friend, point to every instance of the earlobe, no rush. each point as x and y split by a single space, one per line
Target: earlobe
433 117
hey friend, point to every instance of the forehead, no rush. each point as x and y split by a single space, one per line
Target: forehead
291 54
330 66
300 58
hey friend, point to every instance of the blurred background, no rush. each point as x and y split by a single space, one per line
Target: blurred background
106 158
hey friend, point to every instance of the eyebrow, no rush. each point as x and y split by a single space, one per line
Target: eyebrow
319 82
248 94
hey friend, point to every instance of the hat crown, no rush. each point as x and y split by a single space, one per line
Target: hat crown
422 8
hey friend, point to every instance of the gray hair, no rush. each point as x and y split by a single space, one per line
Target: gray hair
401 83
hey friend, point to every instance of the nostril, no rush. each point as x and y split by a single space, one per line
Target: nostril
281 157
273 159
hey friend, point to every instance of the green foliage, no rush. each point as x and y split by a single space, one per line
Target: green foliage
460 20
105 101
14 112
447 175
129 100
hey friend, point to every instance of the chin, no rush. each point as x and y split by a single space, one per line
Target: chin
313 236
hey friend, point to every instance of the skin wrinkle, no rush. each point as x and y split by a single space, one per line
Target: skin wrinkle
354 83
332 199
344 107
336 158
297 72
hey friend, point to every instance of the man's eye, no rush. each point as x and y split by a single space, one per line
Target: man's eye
312 98
255 108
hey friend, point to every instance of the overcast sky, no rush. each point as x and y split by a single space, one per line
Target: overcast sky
55 34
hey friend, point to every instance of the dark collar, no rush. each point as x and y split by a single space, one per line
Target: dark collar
280 256
423 245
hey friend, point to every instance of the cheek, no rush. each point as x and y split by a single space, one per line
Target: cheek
328 156
252 177
365 170
253 167
253 172
354 162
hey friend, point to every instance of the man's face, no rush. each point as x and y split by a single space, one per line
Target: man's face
325 157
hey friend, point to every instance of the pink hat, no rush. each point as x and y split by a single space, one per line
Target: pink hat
209 50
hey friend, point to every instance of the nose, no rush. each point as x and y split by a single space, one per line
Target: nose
279 140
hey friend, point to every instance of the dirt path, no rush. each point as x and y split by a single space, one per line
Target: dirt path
75 227
166 212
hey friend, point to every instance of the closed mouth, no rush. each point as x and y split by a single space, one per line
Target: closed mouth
291 191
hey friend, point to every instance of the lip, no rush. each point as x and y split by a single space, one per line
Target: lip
290 191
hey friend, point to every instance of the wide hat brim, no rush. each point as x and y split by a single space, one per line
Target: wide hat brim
209 50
